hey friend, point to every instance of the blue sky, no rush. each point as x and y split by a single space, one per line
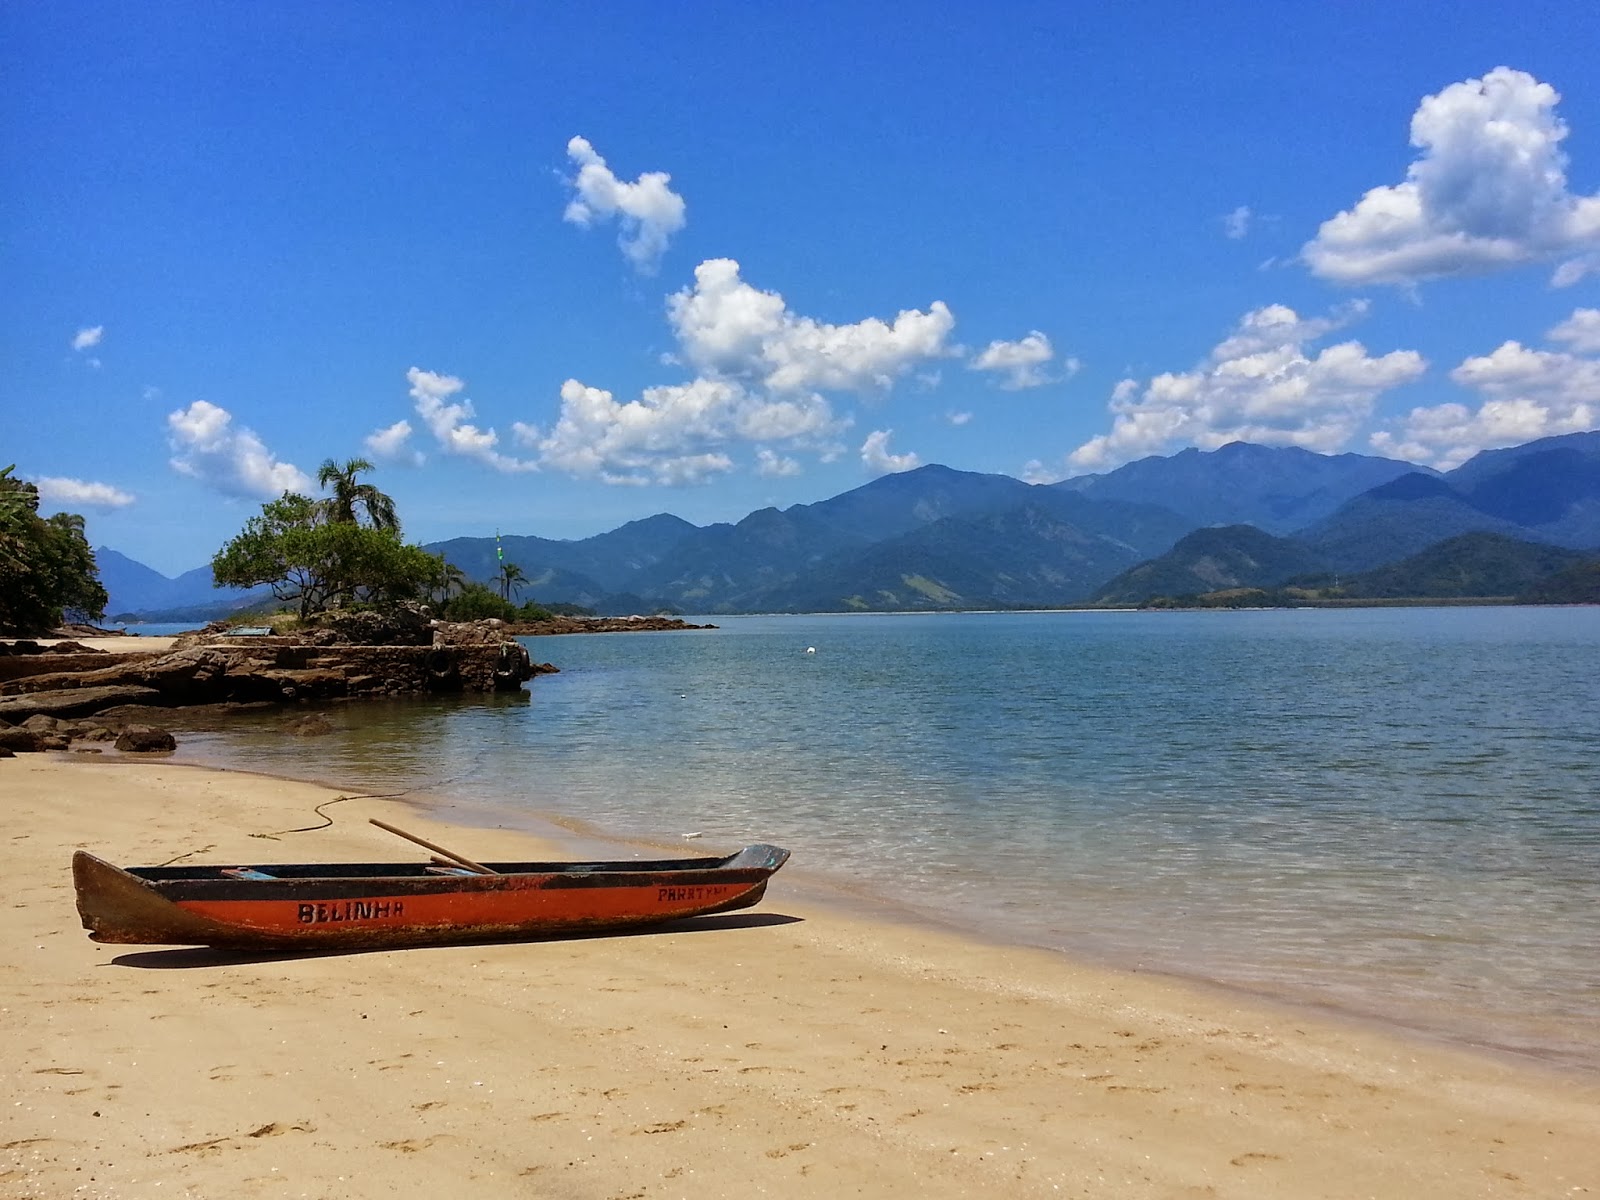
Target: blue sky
604 261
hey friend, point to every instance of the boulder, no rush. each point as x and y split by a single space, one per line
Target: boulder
145 739
24 741
313 726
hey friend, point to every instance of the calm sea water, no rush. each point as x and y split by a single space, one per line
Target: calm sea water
158 629
1391 812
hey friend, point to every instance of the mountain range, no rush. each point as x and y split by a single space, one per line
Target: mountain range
937 538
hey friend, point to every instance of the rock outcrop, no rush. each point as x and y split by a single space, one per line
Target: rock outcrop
73 700
636 624
220 667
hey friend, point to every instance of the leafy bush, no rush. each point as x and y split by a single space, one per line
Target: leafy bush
475 602
47 569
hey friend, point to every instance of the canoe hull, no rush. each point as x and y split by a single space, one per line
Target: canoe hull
374 906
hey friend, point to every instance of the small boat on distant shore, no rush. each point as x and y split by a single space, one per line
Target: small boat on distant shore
362 906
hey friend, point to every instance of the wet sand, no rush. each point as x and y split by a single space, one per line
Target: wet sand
792 1050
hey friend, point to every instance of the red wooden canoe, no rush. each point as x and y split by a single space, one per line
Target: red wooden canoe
367 905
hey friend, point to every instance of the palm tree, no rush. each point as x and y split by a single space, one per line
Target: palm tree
511 580
448 578
348 495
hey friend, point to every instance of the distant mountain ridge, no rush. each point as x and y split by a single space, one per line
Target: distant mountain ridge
137 589
1214 560
1275 488
939 538
1544 491
1241 557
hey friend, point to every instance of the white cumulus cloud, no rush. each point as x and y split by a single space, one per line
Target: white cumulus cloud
86 338
449 421
1527 394
774 465
77 493
208 446
760 374
1034 471
674 434
392 444
877 458
1020 363
1237 223
729 329
1580 331
1488 191
1262 384
649 211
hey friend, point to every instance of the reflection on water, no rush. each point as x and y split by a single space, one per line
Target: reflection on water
1395 812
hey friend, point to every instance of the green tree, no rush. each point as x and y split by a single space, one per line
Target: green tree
312 561
477 602
348 494
511 580
47 569
448 579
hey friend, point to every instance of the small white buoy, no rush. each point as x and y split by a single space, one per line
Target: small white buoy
811 649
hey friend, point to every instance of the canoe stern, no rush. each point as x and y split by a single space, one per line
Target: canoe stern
118 908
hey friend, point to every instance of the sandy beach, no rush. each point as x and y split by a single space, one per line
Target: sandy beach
790 1051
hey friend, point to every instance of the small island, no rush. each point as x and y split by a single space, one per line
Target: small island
355 612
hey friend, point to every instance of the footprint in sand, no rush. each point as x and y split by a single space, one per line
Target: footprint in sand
409 1145
1254 1156
663 1127
783 1151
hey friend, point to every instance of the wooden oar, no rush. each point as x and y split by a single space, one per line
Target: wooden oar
450 854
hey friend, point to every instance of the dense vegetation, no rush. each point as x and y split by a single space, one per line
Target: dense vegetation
312 559
1474 564
1213 560
1577 584
47 570
320 554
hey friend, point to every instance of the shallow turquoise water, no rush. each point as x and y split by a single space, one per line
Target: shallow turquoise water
1393 812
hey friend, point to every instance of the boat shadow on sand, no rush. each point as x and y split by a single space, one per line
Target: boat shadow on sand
200 957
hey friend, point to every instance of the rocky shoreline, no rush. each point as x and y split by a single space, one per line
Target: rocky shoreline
54 695
557 625
69 696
